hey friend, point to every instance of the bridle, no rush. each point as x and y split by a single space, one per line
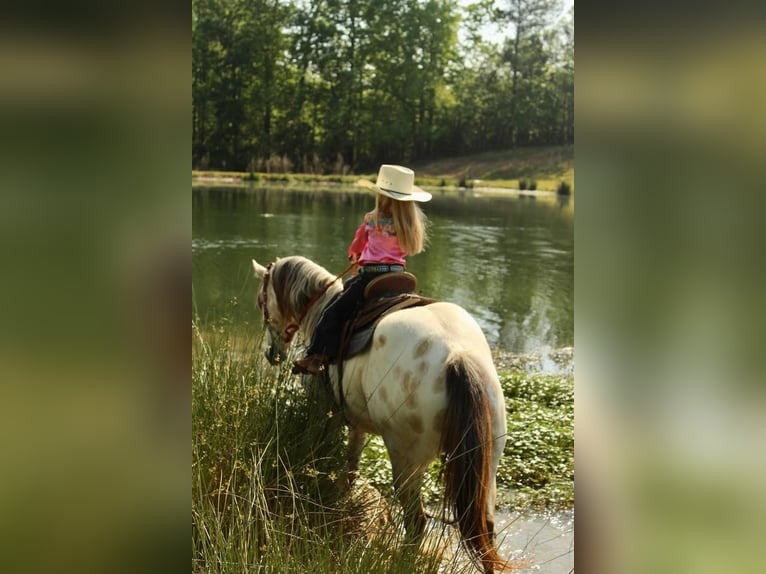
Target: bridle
292 328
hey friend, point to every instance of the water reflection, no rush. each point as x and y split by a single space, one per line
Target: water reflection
508 261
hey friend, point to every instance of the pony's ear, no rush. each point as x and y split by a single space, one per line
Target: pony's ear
260 270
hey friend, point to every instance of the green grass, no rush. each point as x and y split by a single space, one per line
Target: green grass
267 452
538 463
265 457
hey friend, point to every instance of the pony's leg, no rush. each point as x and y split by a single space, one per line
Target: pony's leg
356 442
408 479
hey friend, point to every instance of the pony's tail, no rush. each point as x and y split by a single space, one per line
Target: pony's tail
466 442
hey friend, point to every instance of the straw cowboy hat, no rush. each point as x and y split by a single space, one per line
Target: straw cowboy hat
397 182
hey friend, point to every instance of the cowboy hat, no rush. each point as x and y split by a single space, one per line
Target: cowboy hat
397 182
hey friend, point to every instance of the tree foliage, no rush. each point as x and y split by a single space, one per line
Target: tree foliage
343 85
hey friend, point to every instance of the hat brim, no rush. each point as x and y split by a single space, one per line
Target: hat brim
416 195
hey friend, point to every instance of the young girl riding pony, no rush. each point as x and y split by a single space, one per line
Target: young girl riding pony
394 229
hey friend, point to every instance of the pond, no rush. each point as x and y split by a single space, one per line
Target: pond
508 260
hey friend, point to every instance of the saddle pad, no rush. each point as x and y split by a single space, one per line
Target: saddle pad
357 335
359 341
364 326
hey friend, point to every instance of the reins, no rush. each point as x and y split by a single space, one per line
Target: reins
292 328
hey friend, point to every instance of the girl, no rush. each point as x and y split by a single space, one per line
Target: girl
394 229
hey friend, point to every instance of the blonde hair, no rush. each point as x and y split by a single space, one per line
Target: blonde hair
409 222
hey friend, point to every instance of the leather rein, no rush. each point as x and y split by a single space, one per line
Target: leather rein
292 328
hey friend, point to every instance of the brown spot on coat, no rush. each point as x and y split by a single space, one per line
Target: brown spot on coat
383 394
439 385
416 422
412 401
380 341
422 348
407 383
422 368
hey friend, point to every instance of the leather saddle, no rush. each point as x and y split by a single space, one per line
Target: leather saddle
383 295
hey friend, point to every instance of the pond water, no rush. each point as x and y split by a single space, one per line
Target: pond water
544 540
508 260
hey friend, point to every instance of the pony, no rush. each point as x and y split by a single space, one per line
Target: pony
427 384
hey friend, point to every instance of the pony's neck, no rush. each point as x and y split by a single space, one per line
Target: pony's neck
313 315
304 289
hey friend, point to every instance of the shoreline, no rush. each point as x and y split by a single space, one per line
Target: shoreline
309 185
429 182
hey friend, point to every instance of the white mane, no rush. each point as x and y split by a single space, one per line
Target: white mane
296 280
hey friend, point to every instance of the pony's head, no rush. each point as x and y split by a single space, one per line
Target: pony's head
291 296
266 301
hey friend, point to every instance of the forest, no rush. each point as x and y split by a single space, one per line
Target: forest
340 86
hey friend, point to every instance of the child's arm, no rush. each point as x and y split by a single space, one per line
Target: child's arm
360 240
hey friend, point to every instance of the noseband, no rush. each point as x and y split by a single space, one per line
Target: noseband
292 328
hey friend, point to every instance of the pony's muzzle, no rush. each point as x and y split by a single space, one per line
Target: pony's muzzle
273 355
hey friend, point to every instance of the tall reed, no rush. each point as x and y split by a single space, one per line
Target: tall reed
267 453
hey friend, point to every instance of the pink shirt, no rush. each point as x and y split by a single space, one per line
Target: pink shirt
376 241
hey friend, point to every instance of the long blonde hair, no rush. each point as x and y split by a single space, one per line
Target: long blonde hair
409 222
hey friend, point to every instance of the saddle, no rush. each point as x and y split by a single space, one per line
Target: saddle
382 296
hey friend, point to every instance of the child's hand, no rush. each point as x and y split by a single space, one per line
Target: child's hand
353 257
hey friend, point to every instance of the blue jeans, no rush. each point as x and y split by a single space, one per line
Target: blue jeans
326 339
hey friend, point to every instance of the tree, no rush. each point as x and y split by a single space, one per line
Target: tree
353 83
206 56
528 18
237 46
412 45
564 78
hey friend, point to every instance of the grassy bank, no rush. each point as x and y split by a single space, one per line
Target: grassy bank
267 452
541 168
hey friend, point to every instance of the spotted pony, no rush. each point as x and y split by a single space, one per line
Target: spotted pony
427 385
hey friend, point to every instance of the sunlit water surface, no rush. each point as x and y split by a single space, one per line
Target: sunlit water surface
508 260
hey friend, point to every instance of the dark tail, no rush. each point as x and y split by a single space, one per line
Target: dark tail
467 445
